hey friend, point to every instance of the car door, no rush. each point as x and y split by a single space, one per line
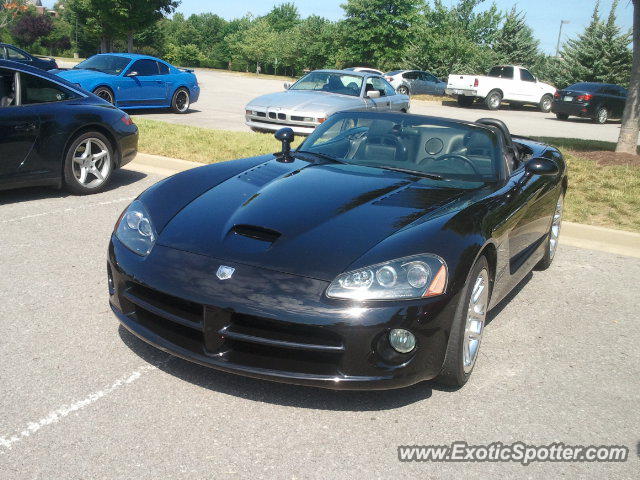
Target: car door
411 80
142 85
19 128
621 100
430 83
168 81
526 87
381 103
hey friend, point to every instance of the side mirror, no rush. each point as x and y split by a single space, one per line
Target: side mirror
287 85
541 166
286 136
373 94
132 73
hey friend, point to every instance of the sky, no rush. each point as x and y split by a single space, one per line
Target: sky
542 15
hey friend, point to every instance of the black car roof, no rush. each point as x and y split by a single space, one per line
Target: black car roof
21 67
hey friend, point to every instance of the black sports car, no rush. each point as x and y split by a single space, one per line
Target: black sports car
598 101
365 259
15 54
54 133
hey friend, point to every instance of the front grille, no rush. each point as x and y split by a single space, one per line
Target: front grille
282 116
272 115
261 114
237 338
297 119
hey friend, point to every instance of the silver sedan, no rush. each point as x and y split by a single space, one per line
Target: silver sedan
312 99
415 82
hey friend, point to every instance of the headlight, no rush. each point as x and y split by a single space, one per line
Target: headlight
135 229
418 276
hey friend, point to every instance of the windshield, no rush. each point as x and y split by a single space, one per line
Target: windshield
110 64
340 83
427 146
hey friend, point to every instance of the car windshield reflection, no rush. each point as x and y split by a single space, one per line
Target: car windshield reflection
331 83
109 64
435 148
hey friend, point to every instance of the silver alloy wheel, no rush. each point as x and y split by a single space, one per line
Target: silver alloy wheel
476 315
603 115
105 95
402 90
546 104
495 100
182 101
554 234
91 163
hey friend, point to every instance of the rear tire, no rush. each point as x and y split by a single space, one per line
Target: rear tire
545 103
602 115
180 101
465 101
553 236
493 100
88 163
468 324
105 93
562 116
403 90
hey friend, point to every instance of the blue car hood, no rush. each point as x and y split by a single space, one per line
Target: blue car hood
81 76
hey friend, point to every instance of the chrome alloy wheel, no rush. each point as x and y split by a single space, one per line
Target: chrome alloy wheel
182 101
476 315
91 163
495 101
546 104
105 95
554 234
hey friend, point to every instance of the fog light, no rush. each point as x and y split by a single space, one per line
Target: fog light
402 340
112 289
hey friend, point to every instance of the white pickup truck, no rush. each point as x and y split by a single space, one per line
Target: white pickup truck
507 83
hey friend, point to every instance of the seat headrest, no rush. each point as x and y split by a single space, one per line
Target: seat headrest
499 124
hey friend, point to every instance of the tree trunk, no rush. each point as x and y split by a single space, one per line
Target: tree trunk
130 42
628 140
103 44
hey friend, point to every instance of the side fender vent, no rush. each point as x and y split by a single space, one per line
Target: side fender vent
257 233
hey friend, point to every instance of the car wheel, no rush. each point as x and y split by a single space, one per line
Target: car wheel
602 115
105 93
89 162
467 328
562 116
465 101
493 100
181 101
545 103
403 90
553 236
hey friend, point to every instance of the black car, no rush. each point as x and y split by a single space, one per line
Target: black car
365 259
15 54
598 101
54 133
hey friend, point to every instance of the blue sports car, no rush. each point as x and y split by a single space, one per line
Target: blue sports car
132 81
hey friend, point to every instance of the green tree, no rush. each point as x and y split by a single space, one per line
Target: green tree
283 17
600 54
378 31
515 42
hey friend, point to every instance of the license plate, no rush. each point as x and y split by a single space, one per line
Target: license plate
568 99
457 92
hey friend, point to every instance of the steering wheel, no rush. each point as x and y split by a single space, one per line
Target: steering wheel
455 156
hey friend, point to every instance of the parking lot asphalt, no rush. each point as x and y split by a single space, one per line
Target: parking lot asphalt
224 95
82 398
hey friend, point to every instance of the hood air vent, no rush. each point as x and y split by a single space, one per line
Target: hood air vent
257 233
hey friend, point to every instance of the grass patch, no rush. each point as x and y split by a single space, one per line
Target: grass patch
430 98
202 144
607 196
598 195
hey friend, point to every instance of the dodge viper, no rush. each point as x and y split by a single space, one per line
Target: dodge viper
135 81
367 258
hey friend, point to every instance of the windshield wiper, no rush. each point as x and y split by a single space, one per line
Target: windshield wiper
432 176
321 155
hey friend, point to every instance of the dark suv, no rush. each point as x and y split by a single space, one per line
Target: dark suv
10 52
598 101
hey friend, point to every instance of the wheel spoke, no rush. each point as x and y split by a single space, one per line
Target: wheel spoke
83 175
97 173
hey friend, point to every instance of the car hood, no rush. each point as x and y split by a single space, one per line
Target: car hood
306 101
79 75
305 219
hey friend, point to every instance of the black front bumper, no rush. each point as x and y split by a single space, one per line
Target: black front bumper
271 325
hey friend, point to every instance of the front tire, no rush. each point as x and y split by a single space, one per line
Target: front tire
553 236
493 100
105 93
467 327
181 101
89 162
602 115
545 103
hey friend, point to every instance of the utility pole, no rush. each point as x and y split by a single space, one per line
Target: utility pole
562 22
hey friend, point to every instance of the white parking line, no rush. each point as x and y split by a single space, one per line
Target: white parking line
65 210
8 441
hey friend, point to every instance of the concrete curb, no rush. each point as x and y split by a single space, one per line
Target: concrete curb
573 234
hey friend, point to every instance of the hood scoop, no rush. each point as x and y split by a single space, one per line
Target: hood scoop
263 174
255 232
